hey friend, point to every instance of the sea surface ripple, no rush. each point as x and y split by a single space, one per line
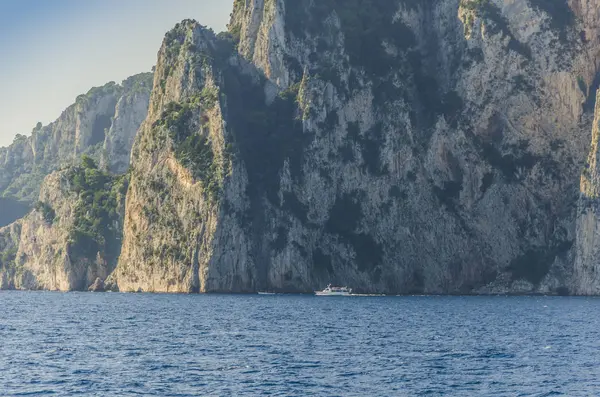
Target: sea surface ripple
84 344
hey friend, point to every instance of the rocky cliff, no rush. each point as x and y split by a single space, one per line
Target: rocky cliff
587 259
71 237
101 123
9 245
130 112
178 235
69 217
395 146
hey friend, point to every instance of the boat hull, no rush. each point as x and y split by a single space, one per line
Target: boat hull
321 293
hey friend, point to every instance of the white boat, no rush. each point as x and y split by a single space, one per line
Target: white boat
266 293
334 291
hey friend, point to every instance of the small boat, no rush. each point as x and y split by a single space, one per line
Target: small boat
266 293
334 291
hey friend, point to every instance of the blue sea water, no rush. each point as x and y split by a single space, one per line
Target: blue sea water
84 344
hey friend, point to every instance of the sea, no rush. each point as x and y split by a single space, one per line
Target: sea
113 344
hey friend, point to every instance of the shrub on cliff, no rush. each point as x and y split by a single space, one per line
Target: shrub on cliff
46 210
96 226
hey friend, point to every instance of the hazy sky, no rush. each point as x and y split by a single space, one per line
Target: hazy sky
53 50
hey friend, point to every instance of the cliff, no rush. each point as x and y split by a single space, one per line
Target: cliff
130 111
9 244
68 218
71 237
101 123
586 276
178 237
394 146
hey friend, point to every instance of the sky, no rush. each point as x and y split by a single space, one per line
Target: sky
53 50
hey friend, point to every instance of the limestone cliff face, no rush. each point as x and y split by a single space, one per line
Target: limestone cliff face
42 259
180 233
9 244
29 159
81 129
586 274
72 234
67 241
130 112
466 135
262 38
394 146
586 279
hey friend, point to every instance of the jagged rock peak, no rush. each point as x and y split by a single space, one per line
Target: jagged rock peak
189 44
183 161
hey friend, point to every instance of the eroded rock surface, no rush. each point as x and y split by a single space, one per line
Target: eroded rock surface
394 146
438 151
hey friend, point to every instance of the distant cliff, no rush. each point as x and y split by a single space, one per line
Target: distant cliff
101 123
67 215
130 111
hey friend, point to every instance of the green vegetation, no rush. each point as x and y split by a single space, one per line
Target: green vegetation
193 149
20 138
54 146
46 210
474 9
238 5
109 88
26 183
176 40
96 227
173 41
177 116
236 32
139 83
234 27
475 5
